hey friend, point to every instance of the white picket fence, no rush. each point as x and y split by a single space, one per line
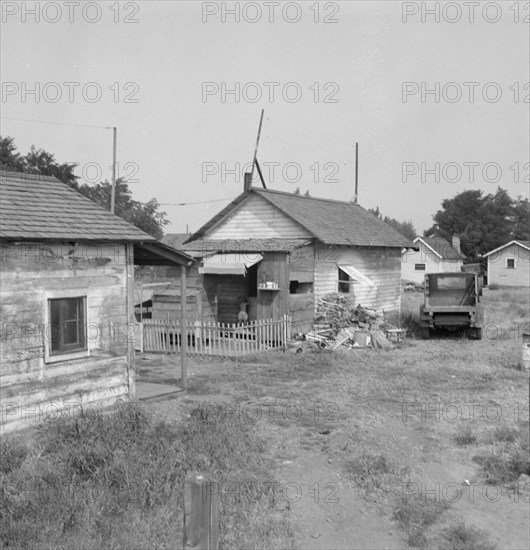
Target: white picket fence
222 339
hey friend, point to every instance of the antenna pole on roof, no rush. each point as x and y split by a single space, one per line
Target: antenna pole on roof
113 190
356 172
256 148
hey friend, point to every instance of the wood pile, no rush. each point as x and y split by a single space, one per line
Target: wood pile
340 323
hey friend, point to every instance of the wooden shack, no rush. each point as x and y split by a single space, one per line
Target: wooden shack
285 251
66 300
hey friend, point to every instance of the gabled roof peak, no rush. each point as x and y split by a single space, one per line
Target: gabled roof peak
329 221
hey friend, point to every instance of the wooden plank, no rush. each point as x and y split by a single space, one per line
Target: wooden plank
201 513
129 266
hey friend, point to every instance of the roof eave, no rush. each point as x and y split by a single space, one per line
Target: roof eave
514 241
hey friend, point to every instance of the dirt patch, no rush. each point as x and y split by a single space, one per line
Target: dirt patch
330 512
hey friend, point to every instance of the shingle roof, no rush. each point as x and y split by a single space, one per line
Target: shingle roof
175 240
329 221
35 207
443 247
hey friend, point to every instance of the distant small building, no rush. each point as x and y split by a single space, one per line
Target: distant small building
430 255
509 264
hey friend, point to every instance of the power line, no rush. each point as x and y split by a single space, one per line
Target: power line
56 123
192 203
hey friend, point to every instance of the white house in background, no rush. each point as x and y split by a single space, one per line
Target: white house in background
509 265
430 255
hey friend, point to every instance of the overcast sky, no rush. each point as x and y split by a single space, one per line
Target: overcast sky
329 74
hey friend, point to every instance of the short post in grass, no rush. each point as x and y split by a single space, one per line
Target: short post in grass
201 513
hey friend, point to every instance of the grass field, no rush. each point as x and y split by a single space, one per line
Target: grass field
424 445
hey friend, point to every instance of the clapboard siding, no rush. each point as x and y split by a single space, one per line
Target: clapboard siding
97 271
257 218
381 265
499 274
433 264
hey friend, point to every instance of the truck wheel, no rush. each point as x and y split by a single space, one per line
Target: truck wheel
478 333
424 333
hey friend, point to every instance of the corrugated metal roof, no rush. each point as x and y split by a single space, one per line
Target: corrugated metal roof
35 207
203 247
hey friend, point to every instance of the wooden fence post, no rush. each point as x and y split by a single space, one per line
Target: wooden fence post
201 513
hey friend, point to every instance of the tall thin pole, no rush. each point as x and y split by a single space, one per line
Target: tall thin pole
113 191
183 331
356 171
256 149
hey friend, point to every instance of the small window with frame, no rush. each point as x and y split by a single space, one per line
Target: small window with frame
67 327
345 282
510 263
419 267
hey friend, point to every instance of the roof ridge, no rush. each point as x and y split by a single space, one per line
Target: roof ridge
27 176
275 192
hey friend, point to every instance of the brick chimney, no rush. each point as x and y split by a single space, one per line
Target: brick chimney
248 181
456 242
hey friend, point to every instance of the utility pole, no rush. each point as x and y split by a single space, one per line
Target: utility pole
113 191
356 172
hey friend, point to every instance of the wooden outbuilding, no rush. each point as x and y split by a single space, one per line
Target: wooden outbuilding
66 300
509 264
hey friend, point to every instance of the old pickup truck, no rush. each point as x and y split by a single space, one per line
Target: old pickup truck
452 302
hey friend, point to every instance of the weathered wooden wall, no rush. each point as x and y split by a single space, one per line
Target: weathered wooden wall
301 306
302 264
257 218
29 275
499 274
273 304
381 265
166 300
167 305
222 293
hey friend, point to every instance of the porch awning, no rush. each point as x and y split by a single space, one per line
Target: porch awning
356 275
229 264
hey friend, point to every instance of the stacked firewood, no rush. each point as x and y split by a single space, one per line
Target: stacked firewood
340 322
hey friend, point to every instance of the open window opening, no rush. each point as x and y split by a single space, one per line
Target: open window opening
67 326
345 282
298 287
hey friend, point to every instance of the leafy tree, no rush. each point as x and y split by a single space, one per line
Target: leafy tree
145 216
407 229
39 161
9 158
521 218
483 222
